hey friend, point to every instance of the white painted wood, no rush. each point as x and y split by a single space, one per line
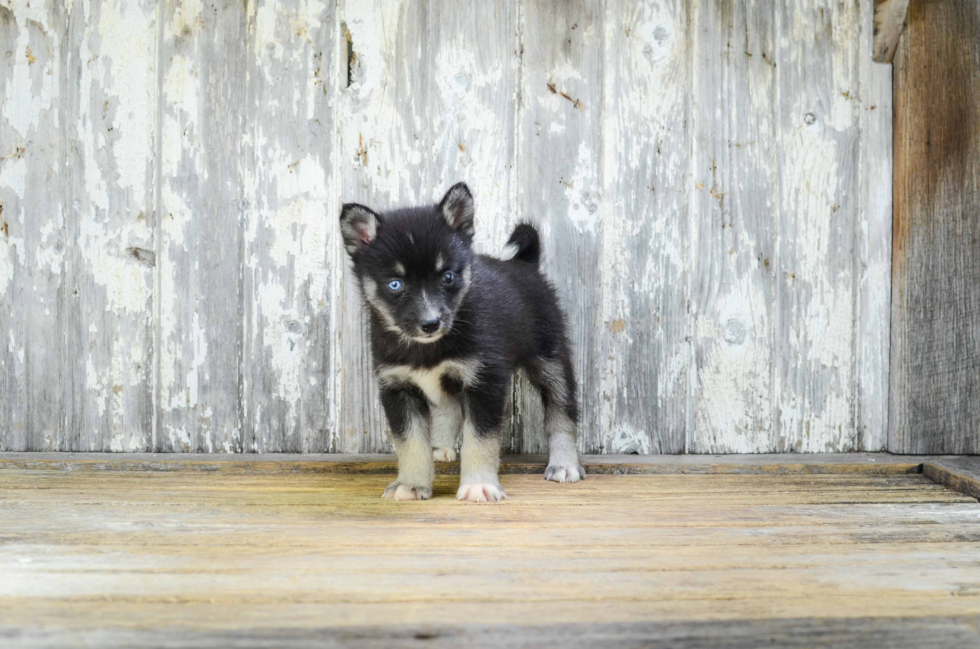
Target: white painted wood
33 240
171 276
200 302
645 264
110 128
817 120
735 180
291 259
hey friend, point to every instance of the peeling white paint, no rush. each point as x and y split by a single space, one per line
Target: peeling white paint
187 17
25 101
128 48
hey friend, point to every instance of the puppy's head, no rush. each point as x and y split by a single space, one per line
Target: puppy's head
413 264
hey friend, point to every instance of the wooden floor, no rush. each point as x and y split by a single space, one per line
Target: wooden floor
272 556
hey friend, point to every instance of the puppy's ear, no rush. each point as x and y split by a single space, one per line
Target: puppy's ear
358 225
457 208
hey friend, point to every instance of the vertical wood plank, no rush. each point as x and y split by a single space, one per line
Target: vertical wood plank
33 196
641 335
431 102
873 237
290 161
560 186
817 138
111 107
735 185
200 303
935 336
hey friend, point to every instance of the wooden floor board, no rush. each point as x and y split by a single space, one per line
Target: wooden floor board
184 557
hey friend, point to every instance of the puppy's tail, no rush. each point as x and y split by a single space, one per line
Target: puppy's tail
523 245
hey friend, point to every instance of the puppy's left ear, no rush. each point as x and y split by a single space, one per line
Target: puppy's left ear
358 225
457 208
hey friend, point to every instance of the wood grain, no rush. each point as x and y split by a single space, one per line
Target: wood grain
200 301
961 474
646 262
840 633
34 297
817 119
303 555
935 343
736 190
889 19
873 249
111 101
773 463
291 252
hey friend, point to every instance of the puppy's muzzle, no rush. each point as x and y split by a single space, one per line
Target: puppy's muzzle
430 326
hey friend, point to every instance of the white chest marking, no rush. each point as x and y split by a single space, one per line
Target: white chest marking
430 380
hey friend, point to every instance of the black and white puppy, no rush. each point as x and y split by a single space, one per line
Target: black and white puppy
448 329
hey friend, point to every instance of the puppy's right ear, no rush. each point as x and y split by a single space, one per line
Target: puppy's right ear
358 225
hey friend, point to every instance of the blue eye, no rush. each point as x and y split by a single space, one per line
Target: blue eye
449 278
395 285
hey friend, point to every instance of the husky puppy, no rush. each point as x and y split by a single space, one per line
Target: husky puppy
448 329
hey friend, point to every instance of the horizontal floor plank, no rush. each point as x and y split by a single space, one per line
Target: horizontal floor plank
186 557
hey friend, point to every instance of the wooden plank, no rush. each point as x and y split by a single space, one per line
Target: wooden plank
817 139
33 204
840 633
935 339
873 251
199 301
559 137
110 105
298 556
641 375
415 120
817 463
736 185
292 254
888 20
959 473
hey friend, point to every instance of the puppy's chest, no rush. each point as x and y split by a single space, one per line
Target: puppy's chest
438 383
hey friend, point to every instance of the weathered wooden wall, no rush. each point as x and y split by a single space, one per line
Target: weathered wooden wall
712 179
935 350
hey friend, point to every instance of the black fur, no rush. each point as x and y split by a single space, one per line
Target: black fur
525 239
505 314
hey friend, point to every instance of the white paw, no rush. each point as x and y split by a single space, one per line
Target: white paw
480 493
571 473
443 455
399 491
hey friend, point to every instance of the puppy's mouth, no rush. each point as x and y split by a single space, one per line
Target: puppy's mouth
427 338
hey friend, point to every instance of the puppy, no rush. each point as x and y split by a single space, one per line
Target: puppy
448 329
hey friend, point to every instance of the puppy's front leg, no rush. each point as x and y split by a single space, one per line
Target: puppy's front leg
408 415
480 453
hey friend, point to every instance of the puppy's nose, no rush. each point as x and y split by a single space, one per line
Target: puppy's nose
429 326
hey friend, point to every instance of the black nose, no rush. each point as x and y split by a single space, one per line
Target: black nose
429 326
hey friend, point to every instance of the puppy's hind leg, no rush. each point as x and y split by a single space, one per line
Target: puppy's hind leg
447 420
556 380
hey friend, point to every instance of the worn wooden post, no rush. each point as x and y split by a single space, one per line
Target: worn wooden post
935 338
